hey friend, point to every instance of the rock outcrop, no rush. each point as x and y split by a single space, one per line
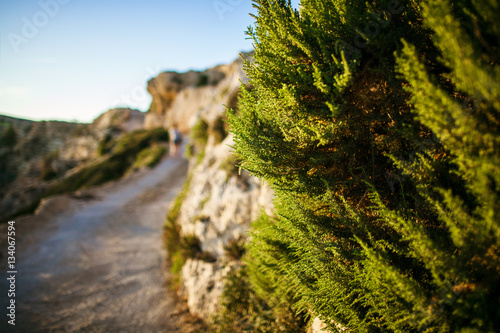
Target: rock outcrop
220 203
21 160
218 210
45 151
124 119
83 145
180 98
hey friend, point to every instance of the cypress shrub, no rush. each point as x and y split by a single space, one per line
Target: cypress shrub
376 123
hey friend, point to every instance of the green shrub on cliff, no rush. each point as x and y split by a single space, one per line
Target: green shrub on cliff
203 81
199 133
149 157
242 310
254 299
9 137
377 125
219 129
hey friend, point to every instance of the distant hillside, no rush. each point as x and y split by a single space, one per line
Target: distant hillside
35 155
22 144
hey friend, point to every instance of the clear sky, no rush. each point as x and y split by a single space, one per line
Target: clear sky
74 59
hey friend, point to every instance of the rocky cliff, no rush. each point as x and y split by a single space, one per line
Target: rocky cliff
220 202
218 210
22 156
37 154
181 98
83 145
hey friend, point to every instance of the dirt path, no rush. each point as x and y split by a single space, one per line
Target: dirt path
97 265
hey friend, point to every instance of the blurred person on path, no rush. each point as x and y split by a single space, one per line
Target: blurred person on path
175 141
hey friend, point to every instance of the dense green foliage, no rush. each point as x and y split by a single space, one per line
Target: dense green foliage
244 305
202 131
230 166
149 157
199 134
219 129
377 125
8 140
242 310
253 300
9 137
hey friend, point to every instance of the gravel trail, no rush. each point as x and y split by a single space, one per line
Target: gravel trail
96 263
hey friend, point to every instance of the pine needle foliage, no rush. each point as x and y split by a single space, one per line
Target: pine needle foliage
377 125
252 299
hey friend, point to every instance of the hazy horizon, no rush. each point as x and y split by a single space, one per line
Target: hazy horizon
72 60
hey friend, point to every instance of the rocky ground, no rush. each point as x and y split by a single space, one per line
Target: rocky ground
94 261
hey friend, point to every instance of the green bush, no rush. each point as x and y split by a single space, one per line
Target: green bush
233 101
376 124
9 137
219 129
199 133
239 306
242 310
172 236
106 145
255 299
235 249
134 142
107 170
202 81
149 157
231 166
190 246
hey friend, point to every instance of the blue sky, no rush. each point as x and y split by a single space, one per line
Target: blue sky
74 59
